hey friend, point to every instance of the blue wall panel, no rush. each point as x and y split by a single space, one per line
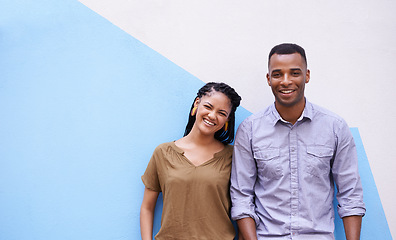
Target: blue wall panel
83 105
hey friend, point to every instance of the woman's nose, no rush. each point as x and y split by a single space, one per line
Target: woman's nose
211 115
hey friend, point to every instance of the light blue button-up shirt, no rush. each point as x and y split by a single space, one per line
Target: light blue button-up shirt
283 175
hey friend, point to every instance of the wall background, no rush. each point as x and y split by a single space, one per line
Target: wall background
89 88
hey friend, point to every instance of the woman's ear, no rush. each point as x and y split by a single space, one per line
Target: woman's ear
196 102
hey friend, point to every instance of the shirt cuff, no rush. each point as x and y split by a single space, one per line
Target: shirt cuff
244 211
352 209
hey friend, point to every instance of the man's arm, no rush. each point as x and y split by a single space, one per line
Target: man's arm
243 178
352 226
247 228
345 171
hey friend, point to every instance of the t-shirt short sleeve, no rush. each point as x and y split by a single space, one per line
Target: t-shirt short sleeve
150 177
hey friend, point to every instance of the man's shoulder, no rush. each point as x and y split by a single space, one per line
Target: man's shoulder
320 112
265 113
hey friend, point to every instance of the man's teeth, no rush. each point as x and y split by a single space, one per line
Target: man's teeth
210 123
287 91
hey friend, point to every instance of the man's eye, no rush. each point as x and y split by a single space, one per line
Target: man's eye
276 75
296 73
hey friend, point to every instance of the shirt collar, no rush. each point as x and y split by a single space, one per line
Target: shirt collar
307 113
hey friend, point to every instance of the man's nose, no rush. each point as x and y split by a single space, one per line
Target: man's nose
286 80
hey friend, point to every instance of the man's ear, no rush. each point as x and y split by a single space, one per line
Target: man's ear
268 80
307 76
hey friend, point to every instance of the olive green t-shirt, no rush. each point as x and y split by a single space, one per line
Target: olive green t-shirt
196 201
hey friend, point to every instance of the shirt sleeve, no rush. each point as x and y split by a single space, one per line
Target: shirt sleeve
346 174
150 177
243 175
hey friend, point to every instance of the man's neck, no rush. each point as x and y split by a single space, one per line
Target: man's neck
292 113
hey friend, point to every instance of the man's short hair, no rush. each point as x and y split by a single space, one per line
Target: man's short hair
287 48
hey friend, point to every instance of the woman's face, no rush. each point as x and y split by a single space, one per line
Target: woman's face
213 111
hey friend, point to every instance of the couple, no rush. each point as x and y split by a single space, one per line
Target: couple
284 162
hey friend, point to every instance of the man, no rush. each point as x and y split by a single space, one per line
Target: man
287 158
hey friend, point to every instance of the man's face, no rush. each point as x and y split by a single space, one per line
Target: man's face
287 75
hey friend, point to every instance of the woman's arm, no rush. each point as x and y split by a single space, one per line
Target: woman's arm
147 213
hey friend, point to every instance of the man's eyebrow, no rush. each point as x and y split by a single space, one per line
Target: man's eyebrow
275 70
292 69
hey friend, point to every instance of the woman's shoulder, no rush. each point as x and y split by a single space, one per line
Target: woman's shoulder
229 148
226 152
164 145
166 148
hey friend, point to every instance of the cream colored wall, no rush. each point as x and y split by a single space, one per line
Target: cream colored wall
350 47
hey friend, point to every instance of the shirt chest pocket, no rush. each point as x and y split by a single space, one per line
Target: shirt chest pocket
268 163
317 160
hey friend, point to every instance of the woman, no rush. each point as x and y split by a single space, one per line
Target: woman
193 172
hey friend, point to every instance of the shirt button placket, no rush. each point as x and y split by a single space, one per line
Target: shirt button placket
293 182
